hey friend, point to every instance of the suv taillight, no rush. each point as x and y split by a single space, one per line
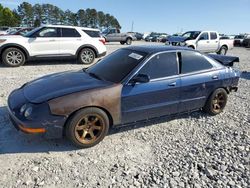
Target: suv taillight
102 41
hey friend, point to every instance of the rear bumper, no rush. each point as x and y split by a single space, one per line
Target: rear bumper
101 54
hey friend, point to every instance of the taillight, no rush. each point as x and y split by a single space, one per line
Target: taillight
102 41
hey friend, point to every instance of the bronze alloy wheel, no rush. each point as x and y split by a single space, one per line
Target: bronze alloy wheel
89 128
216 102
219 102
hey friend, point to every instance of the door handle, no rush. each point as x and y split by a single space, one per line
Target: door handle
52 40
207 41
215 77
172 84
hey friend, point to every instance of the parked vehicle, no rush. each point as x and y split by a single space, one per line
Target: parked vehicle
246 41
131 84
114 35
51 42
204 41
22 31
138 36
3 30
95 34
238 40
152 37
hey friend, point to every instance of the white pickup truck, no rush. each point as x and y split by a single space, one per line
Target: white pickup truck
204 41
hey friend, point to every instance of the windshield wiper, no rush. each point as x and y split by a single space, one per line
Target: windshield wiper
95 76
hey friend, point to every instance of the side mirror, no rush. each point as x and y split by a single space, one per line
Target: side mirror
140 78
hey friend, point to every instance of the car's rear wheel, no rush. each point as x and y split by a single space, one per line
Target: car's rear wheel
122 42
13 57
129 41
87 127
223 50
86 56
216 102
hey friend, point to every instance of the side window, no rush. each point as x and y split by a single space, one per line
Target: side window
48 32
68 32
112 31
213 36
192 62
92 33
160 66
204 36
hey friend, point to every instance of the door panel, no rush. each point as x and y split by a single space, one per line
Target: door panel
203 42
149 100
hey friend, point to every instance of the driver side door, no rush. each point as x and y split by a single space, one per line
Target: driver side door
203 42
45 42
159 96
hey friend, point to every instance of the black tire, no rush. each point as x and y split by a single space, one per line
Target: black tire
191 47
83 122
223 50
216 102
122 42
129 41
86 56
13 57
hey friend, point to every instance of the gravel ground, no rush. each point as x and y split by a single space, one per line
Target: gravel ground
192 150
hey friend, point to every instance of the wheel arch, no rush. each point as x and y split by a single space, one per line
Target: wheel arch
72 114
13 45
87 46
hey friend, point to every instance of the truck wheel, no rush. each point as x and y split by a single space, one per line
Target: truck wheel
216 102
86 56
122 43
191 47
223 50
87 127
129 41
13 57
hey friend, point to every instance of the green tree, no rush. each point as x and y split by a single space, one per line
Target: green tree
25 11
81 18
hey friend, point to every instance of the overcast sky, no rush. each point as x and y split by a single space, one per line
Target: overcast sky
225 16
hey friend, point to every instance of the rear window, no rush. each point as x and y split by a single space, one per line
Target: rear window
92 33
192 62
67 32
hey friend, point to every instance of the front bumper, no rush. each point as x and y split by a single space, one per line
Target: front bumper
41 121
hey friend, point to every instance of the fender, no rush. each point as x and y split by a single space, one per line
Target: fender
87 46
9 45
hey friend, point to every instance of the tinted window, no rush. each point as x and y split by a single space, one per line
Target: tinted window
47 32
118 65
204 36
67 32
160 66
91 33
193 61
213 36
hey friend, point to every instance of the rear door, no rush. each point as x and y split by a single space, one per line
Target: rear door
203 42
198 78
158 97
70 41
214 42
45 42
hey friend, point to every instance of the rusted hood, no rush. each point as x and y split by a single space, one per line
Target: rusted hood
60 84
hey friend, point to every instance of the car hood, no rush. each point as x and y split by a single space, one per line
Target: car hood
11 36
60 84
177 39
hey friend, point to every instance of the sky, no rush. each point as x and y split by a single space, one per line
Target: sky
168 16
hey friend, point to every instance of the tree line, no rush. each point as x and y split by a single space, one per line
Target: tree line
28 15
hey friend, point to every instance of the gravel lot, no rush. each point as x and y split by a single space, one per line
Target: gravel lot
192 150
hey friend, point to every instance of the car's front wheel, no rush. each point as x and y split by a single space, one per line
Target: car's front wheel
216 102
86 56
13 57
87 127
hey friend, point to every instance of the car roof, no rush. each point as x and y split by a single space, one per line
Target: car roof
68 26
151 49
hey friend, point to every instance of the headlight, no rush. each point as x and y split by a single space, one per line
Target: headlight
2 40
183 44
23 108
28 112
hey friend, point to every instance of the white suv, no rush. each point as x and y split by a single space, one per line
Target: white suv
52 41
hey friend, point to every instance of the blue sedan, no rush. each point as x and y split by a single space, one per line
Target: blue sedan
129 85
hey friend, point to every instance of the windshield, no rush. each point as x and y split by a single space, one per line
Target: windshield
31 32
117 66
191 35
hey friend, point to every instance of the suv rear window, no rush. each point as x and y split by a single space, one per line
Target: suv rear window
68 32
92 33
